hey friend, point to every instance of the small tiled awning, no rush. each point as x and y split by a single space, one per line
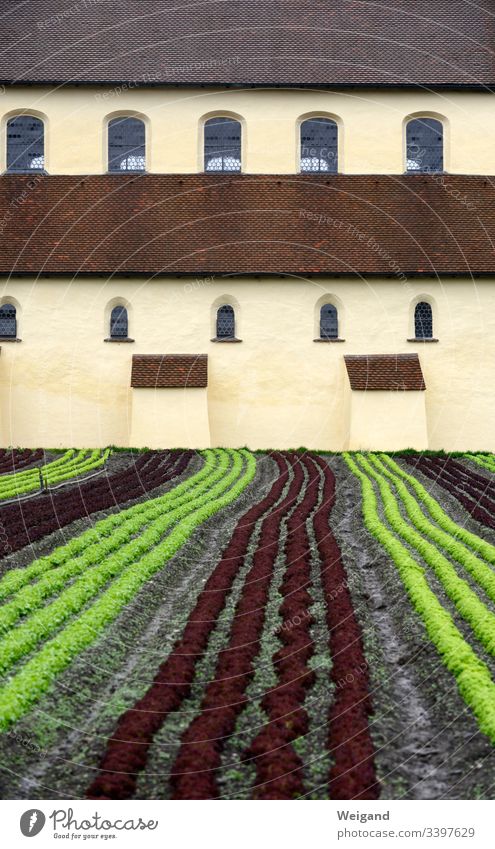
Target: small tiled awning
393 372
169 371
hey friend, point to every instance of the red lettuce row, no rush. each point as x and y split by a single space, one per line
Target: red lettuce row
278 767
28 521
352 774
469 488
14 461
127 751
194 771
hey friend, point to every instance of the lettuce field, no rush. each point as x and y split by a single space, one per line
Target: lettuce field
224 624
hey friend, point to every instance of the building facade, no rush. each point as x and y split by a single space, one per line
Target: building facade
221 229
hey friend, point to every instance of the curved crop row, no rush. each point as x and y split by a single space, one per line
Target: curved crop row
109 534
465 485
353 774
448 534
28 475
17 460
472 675
127 750
26 522
68 466
37 626
486 461
278 766
470 607
37 675
194 771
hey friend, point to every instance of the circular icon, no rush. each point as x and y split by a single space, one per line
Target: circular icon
32 822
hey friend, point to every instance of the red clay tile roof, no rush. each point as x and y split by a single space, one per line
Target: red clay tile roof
198 224
394 372
169 371
249 42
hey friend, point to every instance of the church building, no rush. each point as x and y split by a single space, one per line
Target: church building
266 223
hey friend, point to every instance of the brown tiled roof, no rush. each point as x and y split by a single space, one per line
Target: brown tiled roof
249 42
205 224
394 372
169 371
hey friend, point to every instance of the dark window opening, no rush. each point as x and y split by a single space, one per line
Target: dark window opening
8 321
226 322
423 321
329 322
25 144
222 145
424 145
119 323
126 145
319 146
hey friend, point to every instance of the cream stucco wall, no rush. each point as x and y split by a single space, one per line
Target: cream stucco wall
386 421
171 418
371 138
63 385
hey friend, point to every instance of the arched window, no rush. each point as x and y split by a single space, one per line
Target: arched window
226 322
329 322
126 145
423 321
222 145
319 145
8 321
25 144
424 145
119 325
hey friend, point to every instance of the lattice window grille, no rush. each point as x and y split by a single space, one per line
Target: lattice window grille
424 146
8 321
226 322
329 322
126 145
222 145
423 321
319 146
119 324
25 144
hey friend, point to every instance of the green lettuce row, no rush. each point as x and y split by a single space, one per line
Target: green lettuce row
24 689
28 474
477 568
467 603
472 675
486 549
108 534
30 598
486 461
94 461
68 460
63 459
28 481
